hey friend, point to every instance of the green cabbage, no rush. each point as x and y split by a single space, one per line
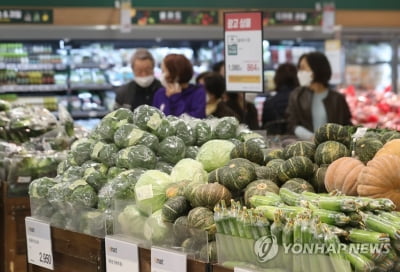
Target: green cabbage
137 156
96 175
189 169
164 167
164 130
185 132
121 114
172 149
105 153
147 117
191 152
226 128
150 190
82 149
39 188
155 230
214 154
131 221
106 129
203 132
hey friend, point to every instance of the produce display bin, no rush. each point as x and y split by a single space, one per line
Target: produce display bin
75 252
13 211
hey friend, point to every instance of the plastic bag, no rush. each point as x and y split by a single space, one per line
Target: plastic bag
138 156
105 153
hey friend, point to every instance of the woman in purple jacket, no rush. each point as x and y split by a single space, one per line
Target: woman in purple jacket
178 96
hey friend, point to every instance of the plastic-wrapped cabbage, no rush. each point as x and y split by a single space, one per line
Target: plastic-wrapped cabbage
121 114
185 132
70 161
150 190
105 153
156 230
82 195
82 149
138 156
147 117
172 149
93 223
122 187
226 128
4 105
58 195
164 130
203 133
96 175
114 171
164 167
43 210
189 169
130 134
214 154
106 128
39 188
58 220
131 221
191 152
72 173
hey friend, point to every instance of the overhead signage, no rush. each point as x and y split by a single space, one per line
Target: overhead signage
288 17
26 16
175 17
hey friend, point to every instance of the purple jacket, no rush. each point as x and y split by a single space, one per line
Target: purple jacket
191 100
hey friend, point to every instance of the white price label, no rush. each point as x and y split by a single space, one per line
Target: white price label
238 269
163 260
121 255
38 239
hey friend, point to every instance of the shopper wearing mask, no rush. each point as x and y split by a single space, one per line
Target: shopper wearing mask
314 104
142 89
178 96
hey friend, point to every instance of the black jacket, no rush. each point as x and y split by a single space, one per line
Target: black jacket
299 109
131 95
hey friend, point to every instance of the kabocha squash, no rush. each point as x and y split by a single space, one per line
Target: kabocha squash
332 132
342 175
392 148
190 191
366 148
202 218
296 167
298 185
275 164
259 187
389 135
265 172
301 148
237 174
177 189
329 151
273 154
318 179
251 150
213 176
208 195
174 208
381 179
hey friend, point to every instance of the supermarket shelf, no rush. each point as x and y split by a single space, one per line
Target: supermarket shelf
89 66
91 86
89 114
29 66
33 88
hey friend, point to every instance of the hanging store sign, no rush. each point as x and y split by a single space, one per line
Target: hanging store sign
285 17
328 18
333 51
175 17
244 51
26 16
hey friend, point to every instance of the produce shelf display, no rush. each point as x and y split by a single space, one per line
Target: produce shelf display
202 186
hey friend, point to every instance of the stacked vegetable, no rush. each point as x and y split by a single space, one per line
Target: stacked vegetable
363 232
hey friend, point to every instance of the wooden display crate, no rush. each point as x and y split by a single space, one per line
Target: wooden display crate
220 268
75 252
192 265
13 211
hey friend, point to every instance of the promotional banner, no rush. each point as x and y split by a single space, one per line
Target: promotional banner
243 51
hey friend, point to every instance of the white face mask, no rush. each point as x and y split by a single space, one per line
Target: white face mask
207 98
305 78
144 82
163 80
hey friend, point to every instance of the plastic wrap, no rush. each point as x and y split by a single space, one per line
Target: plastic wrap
66 120
121 114
185 132
81 150
164 129
106 128
129 135
105 153
138 156
226 128
172 149
122 187
164 167
147 118
96 175
203 132
72 173
191 152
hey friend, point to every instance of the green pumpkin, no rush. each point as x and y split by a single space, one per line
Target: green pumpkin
177 189
237 174
181 228
273 154
318 178
202 218
213 176
366 148
174 207
298 185
301 148
250 150
332 132
265 172
190 191
389 135
259 187
329 151
296 167
209 252
208 195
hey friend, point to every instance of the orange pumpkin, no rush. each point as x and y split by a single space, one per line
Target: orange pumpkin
392 147
381 178
342 175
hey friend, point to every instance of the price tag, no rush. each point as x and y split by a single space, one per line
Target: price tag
121 255
238 269
163 260
38 241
